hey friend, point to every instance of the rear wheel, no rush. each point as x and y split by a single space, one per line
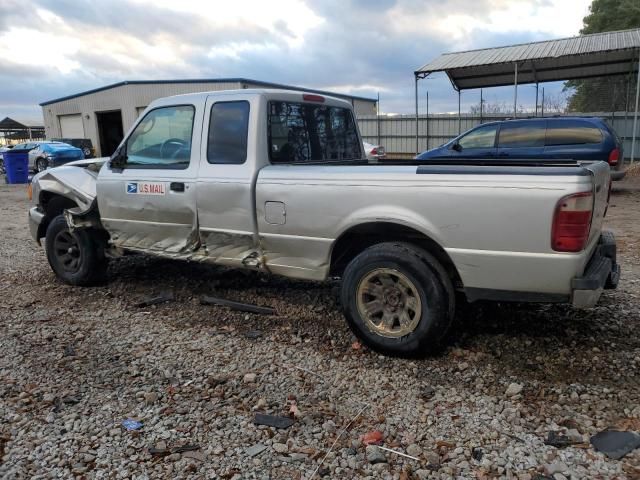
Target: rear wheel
77 257
42 164
398 299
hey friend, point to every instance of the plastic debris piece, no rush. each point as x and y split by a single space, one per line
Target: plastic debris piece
477 453
185 448
558 440
372 438
155 300
240 306
272 421
130 424
253 334
615 444
255 450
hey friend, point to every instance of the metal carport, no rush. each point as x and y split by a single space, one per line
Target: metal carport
585 56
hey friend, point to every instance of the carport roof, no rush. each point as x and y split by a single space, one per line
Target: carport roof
249 81
595 55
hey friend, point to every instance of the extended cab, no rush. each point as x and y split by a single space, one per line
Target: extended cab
277 181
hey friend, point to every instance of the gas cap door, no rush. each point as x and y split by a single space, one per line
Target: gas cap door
275 213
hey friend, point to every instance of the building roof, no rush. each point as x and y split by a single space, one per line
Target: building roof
598 54
10 124
207 80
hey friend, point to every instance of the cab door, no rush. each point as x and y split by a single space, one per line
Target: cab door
147 191
225 193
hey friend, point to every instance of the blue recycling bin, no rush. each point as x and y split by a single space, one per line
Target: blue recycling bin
16 164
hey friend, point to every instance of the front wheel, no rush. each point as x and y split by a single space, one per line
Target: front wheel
398 299
77 257
42 164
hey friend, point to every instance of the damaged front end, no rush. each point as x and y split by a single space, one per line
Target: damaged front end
68 190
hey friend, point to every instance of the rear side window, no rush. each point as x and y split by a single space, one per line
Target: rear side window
305 133
522 135
572 132
228 129
483 137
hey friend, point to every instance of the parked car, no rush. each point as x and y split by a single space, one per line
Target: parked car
3 149
576 138
83 144
261 180
52 154
374 152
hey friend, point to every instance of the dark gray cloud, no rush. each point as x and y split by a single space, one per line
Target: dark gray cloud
355 45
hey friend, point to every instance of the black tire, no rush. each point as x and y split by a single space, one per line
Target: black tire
432 287
41 164
77 258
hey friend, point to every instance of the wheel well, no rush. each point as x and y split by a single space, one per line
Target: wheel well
357 239
53 205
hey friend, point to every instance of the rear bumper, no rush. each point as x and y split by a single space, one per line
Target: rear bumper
602 272
617 175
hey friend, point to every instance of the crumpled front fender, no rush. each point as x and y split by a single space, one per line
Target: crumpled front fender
73 182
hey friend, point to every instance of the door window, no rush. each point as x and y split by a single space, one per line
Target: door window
522 135
483 137
162 139
228 129
572 132
309 133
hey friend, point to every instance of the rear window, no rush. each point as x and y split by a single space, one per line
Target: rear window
522 135
572 132
306 133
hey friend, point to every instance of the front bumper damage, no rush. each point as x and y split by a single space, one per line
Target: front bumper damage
36 216
602 273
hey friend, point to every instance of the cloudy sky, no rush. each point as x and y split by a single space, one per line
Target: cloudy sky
53 48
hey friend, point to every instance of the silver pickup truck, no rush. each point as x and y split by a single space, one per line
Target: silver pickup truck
277 181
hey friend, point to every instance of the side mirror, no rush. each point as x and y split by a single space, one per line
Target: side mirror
457 147
119 158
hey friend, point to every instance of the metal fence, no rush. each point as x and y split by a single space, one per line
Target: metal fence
397 133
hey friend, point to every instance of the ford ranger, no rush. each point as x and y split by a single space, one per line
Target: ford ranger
277 181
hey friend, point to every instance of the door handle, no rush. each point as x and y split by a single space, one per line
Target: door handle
176 187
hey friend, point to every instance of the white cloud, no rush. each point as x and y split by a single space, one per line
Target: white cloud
553 18
297 16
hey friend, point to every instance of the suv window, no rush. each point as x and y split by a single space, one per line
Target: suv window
572 132
162 139
483 137
522 135
303 133
228 128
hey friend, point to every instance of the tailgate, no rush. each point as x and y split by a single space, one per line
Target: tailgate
601 178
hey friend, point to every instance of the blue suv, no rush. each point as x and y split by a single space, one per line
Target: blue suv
575 138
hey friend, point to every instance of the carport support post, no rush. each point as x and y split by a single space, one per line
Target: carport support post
515 93
459 115
417 151
427 120
635 115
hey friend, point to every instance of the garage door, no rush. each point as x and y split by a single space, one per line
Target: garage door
71 126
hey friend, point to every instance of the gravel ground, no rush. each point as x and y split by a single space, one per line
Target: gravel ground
79 361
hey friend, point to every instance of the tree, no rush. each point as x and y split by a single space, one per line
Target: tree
604 94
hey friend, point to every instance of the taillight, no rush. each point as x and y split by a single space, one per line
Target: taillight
614 156
374 151
572 222
312 98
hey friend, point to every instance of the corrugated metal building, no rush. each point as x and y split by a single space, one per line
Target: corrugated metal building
104 114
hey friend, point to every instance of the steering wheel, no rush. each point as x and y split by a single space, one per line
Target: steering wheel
175 142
